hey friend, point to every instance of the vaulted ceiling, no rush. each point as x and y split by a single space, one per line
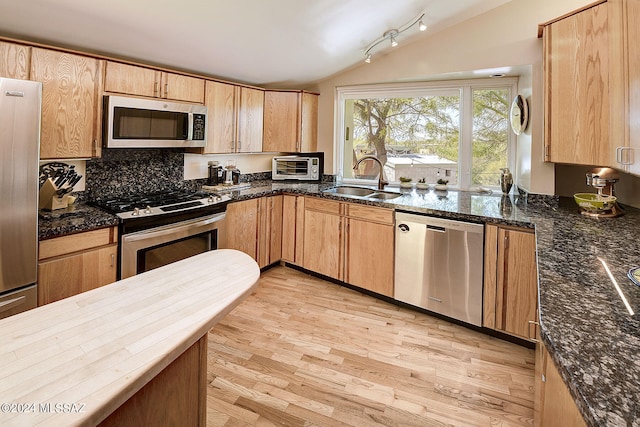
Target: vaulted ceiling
262 42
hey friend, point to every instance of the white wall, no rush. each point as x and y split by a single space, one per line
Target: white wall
505 36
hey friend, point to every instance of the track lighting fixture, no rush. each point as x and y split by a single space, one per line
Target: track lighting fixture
392 36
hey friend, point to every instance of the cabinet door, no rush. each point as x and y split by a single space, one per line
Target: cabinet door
370 256
577 88
241 227
131 80
250 120
633 39
269 230
14 60
323 250
517 283
221 126
292 228
71 85
309 123
557 408
182 88
281 119
66 276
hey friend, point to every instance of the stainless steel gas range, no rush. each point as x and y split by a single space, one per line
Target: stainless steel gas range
161 228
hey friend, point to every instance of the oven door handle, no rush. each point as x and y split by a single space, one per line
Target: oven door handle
165 230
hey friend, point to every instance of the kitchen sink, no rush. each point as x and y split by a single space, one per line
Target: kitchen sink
352 191
365 193
383 196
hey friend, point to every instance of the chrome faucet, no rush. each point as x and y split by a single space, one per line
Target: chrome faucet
381 181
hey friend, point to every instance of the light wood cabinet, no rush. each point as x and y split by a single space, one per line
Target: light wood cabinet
255 227
624 80
350 242
14 60
323 237
71 107
510 281
241 228
293 229
370 255
576 88
235 118
269 230
141 81
76 263
554 404
290 121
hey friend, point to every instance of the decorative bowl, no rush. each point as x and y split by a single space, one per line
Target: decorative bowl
422 186
406 184
593 202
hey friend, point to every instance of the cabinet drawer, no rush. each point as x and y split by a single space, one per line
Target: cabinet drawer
77 242
323 205
370 213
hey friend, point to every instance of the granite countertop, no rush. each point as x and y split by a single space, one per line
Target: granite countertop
585 325
96 349
77 218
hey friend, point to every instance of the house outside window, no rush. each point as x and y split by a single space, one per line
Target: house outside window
457 131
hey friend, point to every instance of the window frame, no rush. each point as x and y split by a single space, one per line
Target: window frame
415 89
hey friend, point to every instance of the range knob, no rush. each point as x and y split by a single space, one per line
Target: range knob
136 212
147 209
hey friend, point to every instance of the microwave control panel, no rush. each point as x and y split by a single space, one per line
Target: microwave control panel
199 123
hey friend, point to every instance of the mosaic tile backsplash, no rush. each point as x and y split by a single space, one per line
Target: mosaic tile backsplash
121 172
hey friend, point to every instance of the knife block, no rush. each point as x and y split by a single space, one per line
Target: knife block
49 199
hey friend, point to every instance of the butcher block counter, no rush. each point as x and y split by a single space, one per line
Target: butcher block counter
135 348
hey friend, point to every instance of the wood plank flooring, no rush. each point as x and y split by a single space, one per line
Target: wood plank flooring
301 351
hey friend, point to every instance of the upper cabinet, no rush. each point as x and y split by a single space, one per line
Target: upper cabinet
235 118
141 81
71 88
624 78
290 121
576 88
14 60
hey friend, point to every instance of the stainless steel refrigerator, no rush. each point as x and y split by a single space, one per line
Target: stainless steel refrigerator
20 104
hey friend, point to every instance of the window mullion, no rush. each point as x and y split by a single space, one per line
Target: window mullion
466 138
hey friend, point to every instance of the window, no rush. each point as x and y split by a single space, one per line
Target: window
456 131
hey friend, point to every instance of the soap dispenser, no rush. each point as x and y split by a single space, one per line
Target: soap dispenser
506 180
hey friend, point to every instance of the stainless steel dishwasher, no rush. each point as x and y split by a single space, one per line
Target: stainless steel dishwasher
438 265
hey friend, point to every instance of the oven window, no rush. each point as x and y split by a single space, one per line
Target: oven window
135 123
176 250
292 167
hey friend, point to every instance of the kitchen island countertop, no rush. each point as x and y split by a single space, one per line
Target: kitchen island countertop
93 351
589 332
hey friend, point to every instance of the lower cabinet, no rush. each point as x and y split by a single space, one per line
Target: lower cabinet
350 242
269 230
554 405
292 228
255 227
76 263
323 237
241 228
510 281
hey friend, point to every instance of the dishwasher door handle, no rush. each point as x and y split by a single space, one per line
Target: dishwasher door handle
436 228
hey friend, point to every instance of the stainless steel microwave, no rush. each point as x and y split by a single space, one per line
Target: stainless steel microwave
153 123
297 167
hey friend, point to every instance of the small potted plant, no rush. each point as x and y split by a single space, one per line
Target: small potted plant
405 182
441 184
422 184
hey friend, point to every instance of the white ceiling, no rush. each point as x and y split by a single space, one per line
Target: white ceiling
262 42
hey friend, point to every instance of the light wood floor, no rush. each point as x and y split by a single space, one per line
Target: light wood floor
301 351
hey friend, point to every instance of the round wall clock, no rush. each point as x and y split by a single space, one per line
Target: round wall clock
519 115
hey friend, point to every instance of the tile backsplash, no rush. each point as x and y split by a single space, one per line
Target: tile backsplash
122 172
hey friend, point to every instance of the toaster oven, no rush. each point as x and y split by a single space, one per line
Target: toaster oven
298 167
